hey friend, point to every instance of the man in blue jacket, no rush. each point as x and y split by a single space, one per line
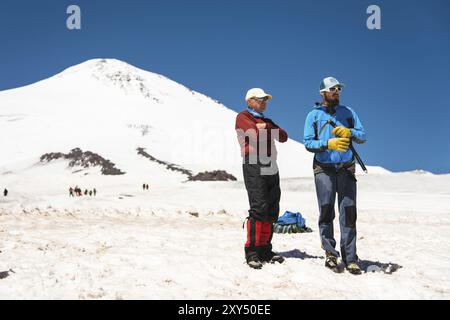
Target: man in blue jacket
334 171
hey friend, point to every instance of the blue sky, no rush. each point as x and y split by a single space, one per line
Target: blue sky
398 78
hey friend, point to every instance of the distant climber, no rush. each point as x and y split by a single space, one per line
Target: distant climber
5 192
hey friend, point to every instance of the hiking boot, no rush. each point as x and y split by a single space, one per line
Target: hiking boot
331 262
255 264
272 257
266 254
353 268
252 258
275 258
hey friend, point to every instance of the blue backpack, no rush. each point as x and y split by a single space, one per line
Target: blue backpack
289 218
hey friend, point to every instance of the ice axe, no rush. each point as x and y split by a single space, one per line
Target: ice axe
352 148
357 157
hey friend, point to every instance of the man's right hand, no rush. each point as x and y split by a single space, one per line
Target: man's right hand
261 126
339 144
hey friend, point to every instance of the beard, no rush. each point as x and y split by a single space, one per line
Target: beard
332 101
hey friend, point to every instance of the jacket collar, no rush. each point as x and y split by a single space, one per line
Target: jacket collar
254 113
329 110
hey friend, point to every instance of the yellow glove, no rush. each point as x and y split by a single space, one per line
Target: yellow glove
339 144
342 132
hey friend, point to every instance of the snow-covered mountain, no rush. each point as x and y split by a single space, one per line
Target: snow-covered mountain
126 243
112 109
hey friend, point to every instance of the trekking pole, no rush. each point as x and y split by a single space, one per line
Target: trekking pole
358 158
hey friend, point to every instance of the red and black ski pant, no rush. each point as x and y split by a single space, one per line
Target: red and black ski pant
264 198
259 240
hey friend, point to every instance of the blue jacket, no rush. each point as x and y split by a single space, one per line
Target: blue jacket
318 131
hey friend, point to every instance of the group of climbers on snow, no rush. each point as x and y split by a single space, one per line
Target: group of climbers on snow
78 192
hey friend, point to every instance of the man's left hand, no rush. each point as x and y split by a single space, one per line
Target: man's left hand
342 132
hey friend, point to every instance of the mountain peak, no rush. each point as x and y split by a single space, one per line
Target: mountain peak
96 66
130 79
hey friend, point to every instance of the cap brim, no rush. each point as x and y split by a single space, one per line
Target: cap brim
268 96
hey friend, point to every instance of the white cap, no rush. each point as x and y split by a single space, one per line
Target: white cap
257 93
328 83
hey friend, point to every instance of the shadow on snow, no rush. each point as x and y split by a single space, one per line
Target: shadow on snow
366 266
297 254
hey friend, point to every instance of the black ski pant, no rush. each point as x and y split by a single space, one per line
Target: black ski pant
264 199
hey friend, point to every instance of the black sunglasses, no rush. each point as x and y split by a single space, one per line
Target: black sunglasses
261 99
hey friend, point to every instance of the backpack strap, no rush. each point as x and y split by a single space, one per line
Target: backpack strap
351 124
316 131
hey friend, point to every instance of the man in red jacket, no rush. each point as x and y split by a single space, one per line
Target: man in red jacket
256 136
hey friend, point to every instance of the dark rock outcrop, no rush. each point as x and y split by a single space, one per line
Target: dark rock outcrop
218 175
170 166
84 159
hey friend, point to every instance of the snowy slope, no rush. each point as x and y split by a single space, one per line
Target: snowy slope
184 240
148 246
111 108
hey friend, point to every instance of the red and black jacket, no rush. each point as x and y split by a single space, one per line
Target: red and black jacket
249 142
